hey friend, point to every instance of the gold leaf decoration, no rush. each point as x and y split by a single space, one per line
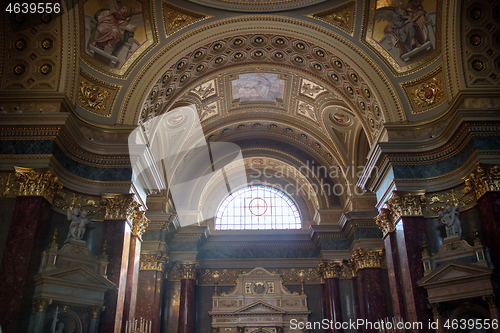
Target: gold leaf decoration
176 17
427 94
342 16
93 96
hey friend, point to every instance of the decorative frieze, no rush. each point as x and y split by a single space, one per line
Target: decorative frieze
406 203
366 258
483 180
330 270
153 261
37 182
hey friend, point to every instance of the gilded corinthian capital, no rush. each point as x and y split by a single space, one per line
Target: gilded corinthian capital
366 258
330 270
118 206
385 221
189 271
153 261
406 204
483 180
38 182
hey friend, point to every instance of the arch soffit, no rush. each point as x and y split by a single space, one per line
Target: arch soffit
186 44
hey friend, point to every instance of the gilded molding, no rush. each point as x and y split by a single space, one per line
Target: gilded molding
483 179
230 276
38 182
40 304
385 221
366 258
67 199
118 206
151 261
330 270
176 18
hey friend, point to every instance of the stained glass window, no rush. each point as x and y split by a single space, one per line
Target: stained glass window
257 207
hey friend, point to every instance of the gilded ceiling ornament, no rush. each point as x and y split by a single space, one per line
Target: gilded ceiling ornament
330 270
342 16
427 94
483 180
153 261
38 182
177 17
93 96
118 206
384 221
365 258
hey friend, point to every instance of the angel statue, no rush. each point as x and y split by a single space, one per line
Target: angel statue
449 218
407 28
111 28
79 220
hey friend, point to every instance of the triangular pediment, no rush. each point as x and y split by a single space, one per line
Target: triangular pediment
78 274
454 271
259 271
259 307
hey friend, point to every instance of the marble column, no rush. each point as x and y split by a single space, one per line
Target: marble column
38 317
406 212
151 282
370 286
139 224
187 307
23 249
386 224
116 237
330 273
95 314
494 313
489 208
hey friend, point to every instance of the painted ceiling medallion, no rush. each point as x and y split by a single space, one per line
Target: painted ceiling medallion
340 118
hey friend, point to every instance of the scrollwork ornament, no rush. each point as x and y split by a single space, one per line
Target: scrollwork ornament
406 204
384 221
139 222
118 206
41 182
93 96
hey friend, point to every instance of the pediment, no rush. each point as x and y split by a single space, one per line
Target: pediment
77 274
454 271
259 307
259 271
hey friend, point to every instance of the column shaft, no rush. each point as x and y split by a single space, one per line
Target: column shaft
410 233
391 250
489 208
149 304
116 233
21 260
132 279
371 295
187 307
332 302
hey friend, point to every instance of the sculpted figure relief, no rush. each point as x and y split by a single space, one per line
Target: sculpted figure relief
79 220
449 218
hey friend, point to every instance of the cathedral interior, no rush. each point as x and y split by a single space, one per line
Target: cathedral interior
250 166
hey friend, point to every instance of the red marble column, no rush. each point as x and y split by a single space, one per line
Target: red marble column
116 234
355 295
187 306
132 279
489 208
410 233
21 260
151 282
371 295
333 309
391 250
